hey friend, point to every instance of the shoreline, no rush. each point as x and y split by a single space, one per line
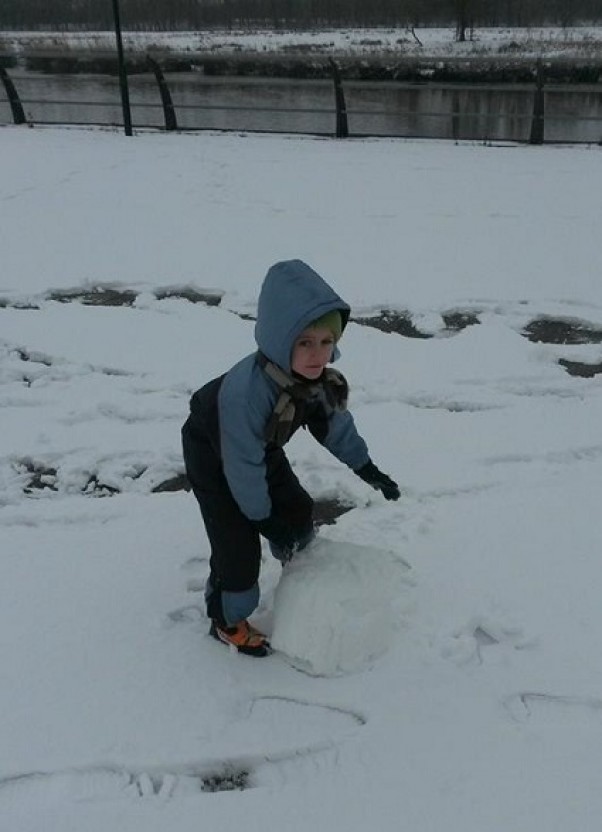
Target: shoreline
502 55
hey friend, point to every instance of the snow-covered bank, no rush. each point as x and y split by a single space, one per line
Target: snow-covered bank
116 710
579 41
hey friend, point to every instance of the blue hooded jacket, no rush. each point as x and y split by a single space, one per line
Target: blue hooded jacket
291 298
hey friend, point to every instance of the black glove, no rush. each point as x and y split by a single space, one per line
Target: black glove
381 482
283 536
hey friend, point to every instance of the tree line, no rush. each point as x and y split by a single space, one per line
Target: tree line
182 15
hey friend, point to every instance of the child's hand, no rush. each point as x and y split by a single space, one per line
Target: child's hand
381 482
285 537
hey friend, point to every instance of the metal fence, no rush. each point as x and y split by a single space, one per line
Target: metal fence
539 112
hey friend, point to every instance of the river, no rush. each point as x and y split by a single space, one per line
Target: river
483 112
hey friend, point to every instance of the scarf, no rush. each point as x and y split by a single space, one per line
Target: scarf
332 385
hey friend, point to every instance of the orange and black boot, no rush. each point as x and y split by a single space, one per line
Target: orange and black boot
243 636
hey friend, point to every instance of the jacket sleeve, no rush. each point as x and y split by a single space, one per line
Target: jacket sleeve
242 420
342 439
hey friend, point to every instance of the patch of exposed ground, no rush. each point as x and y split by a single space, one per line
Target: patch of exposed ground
41 476
400 322
562 331
109 296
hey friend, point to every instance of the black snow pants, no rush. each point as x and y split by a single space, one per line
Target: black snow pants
234 539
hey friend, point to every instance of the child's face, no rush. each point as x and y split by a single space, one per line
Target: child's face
312 352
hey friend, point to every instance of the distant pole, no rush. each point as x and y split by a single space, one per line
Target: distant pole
123 78
538 123
342 126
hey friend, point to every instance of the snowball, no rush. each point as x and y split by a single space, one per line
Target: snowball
333 606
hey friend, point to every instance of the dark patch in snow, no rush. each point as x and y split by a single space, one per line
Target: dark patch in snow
562 331
178 483
326 512
580 368
391 321
100 296
229 780
401 323
110 296
99 489
7 304
456 321
41 477
191 295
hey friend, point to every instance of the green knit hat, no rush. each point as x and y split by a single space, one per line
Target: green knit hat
332 321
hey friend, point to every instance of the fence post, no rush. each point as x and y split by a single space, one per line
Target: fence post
537 124
171 122
13 98
123 78
342 129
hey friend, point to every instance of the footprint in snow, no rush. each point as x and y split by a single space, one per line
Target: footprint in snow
275 738
553 708
481 639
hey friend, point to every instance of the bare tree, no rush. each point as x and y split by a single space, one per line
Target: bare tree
180 14
464 19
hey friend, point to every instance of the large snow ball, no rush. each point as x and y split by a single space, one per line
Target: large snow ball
333 607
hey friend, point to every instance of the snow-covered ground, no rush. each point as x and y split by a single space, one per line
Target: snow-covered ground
483 713
578 41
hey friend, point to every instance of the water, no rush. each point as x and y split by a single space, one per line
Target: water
478 112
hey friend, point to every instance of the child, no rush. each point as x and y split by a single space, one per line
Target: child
234 435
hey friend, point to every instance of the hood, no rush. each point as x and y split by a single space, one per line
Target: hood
292 296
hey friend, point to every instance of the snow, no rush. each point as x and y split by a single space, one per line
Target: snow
461 693
534 41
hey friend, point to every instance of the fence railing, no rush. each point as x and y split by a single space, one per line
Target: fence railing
461 120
